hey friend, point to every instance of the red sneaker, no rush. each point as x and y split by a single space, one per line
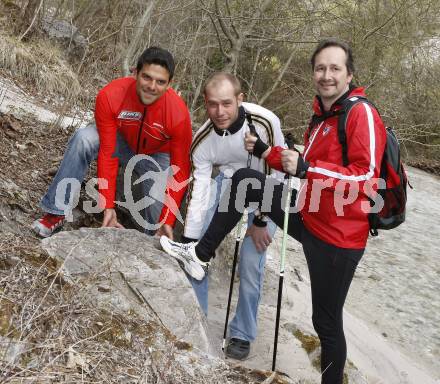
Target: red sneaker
48 224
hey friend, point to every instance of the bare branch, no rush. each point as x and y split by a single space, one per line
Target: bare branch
199 88
254 70
189 54
238 43
228 8
232 40
32 22
220 44
136 38
420 143
387 20
278 80
261 10
105 37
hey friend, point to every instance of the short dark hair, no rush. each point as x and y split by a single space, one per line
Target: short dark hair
333 42
159 56
218 77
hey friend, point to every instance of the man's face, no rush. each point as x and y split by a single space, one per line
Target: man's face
151 83
222 104
330 74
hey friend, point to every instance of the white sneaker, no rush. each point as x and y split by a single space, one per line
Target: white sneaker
186 255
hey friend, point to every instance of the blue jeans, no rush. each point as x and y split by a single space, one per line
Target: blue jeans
251 270
81 150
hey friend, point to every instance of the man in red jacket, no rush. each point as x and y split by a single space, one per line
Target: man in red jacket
330 218
139 122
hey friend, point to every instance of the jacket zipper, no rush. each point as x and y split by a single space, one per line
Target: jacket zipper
312 139
140 130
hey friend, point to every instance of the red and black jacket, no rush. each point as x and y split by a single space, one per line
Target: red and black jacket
333 203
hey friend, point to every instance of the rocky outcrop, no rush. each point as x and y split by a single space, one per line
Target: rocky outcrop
106 306
131 274
123 270
66 33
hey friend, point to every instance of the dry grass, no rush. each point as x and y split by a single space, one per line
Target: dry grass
39 64
58 333
309 342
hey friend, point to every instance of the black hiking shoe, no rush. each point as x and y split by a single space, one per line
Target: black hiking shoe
238 349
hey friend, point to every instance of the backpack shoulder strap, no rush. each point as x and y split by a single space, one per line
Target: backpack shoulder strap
347 104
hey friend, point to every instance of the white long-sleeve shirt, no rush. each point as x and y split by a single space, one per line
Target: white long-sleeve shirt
225 150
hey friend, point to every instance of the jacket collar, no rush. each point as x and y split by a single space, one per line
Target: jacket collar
235 126
318 107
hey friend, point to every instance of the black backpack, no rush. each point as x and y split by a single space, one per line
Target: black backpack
393 191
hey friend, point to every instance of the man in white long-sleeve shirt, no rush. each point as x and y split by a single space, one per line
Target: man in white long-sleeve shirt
220 142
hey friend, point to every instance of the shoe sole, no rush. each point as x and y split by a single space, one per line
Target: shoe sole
237 356
164 243
40 231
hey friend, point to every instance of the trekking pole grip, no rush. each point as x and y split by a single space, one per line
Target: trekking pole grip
290 141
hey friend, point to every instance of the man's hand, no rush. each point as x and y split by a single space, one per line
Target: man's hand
110 219
289 161
165 230
249 142
249 145
260 237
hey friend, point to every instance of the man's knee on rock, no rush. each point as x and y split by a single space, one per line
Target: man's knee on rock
86 139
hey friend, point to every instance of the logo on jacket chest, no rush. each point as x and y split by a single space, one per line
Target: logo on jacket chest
128 115
326 130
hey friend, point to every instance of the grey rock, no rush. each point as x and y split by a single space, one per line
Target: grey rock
137 276
66 33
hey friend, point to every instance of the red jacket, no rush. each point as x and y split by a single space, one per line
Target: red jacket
323 209
166 127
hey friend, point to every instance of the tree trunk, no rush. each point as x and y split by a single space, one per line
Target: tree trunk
129 53
29 13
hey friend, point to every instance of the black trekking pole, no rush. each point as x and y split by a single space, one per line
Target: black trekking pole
231 284
289 142
237 245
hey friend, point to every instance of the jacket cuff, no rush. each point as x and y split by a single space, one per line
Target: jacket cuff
259 148
301 168
259 221
167 217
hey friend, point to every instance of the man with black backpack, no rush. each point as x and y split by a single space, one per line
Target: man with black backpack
331 209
